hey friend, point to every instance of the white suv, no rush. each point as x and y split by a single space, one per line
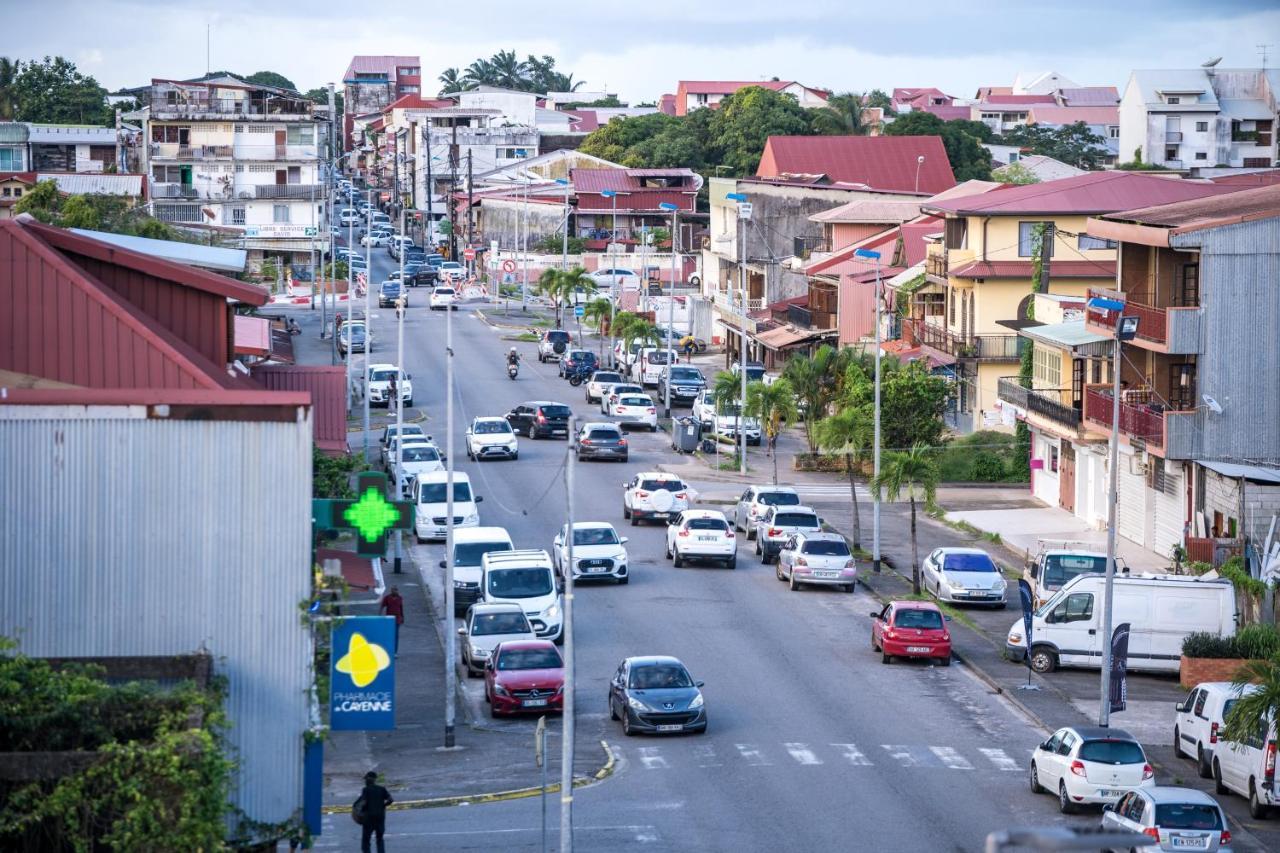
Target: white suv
654 495
600 382
1199 719
470 544
528 579
1089 764
380 378
599 553
777 525
701 534
491 438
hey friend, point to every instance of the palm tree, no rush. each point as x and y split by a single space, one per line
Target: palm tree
842 116
479 73
774 405
548 285
633 329
9 69
727 391
1253 712
508 70
913 471
574 281
815 379
453 80
848 432
598 311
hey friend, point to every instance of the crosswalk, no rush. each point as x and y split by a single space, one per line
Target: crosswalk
829 493
681 754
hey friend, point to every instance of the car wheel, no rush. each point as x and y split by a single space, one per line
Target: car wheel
624 579
1036 787
421 541
668 550
677 560
626 513
791 582
944 661
851 587
559 640
1177 743
733 562
515 456
751 534
758 553
635 519
1202 763
533 433
885 657
1043 660
626 724
1217 779
1064 800
613 715
1257 809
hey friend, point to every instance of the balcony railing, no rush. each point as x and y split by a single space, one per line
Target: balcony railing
1139 418
1046 403
306 191
174 190
936 265
1174 329
1173 136
805 318
980 347
175 151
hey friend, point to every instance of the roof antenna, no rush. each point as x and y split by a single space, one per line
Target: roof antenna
1262 49
207 66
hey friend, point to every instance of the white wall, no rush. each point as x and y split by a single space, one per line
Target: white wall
517 107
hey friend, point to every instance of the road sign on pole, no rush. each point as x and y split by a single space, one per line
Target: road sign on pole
469 254
579 310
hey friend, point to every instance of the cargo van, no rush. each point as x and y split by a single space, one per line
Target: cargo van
648 366
470 544
528 579
1053 567
1161 611
429 493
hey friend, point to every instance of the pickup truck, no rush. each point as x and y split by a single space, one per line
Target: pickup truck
1051 568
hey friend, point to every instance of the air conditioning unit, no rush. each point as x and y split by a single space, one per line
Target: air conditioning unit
1139 464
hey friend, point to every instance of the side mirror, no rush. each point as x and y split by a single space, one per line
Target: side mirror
699 683
443 565
625 540
1109 807
946 618
479 499
462 632
875 614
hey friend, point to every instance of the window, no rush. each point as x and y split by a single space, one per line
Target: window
1171 153
279 213
178 213
262 128
1047 367
17 192
1173 100
237 215
1053 458
1202 127
6 193
1026 239
1201 155
1113 131
239 167
951 311
1200 700
10 159
300 134
1086 243
1077 607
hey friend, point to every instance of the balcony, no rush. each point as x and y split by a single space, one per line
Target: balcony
1174 330
935 266
1045 403
1172 137
977 347
804 318
177 151
296 191
174 190
1168 433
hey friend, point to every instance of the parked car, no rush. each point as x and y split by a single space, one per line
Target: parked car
417 457
599 553
1179 818
353 337
653 496
615 393
540 418
650 363
704 408
1200 717
656 695
701 535
470 544
910 629
554 343
1053 567
600 441
485 627
755 500
1067 630
615 279
396 245
730 425
780 523
817 559
358 264
389 292
390 431
452 270
429 494
1089 764
963 576
374 238
389 449
524 675
381 376
443 299
526 577
576 359
624 355
599 381
636 410
491 438
686 382
1248 768
755 372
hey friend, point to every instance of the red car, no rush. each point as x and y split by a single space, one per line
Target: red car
911 629
524 675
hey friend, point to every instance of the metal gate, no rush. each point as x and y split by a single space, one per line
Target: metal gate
1067 477
1170 507
1131 508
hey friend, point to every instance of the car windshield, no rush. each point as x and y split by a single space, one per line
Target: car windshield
390 287
433 493
468 554
636 401
1060 568
491 427
826 548
520 583
778 499
529 659
486 624
685 374
604 435
656 485
795 519
383 375
353 332
658 676
618 390
707 524
415 453
1112 752
595 536
605 376
755 374
968 563
558 337
556 411
1188 816
582 355
409 431
918 618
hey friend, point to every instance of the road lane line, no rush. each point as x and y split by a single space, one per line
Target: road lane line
951 758
1000 759
901 753
853 754
705 755
752 755
651 758
802 753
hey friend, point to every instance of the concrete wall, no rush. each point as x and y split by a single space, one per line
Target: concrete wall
502 220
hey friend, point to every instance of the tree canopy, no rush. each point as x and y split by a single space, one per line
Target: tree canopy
51 90
962 138
505 69
271 78
94 212
1073 144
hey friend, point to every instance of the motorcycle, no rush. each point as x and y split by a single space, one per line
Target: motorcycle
513 369
580 374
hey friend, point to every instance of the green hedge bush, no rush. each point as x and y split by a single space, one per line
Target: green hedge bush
1253 642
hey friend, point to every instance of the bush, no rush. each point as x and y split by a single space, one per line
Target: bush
986 456
1253 642
1202 644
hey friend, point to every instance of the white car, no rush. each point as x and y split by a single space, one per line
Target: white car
1200 717
756 500
417 457
615 392
1248 768
374 238
486 626
380 378
429 493
623 355
599 553
701 535
491 438
444 299
349 216
653 495
649 364
389 448
728 426
780 523
963 575
599 383
470 544
819 559
636 410
391 430
704 408
615 279
1089 765
452 271
526 578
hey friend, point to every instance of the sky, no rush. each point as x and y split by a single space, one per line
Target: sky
640 50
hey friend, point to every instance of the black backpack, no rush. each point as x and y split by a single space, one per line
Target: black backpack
357 809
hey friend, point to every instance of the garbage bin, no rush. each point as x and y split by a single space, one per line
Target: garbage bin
686 434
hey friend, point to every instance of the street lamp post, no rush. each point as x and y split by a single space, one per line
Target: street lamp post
524 248
564 250
875 495
450 638
399 386
567 728
614 287
368 321
744 216
919 163
671 302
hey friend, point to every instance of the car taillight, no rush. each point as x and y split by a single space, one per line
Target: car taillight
730 535
1148 772
851 564
1077 767
801 561
683 533
586 441
1213 733
622 442
652 411
887 633
640 494
1269 766
542 419
681 496
1225 838
773 531
1153 831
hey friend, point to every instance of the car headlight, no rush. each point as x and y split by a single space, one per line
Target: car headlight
459 584
499 689
1015 638
696 703
472 517
1000 584
553 611
479 653
636 704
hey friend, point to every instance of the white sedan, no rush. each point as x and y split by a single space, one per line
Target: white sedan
701 534
417 457
636 410
444 299
491 438
374 238
599 553
963 575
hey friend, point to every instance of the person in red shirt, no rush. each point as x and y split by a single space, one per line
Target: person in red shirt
393 605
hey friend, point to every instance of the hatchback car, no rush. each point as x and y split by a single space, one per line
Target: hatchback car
614 393
417 457
656 695
353 337
486 626
540 419
576 359
600 441
754 501
910 629
701 535
963 575
524 675
375 238
1178 818
389 292
444 299
636 410
599 382
599 553
1089 764
780 523
491 438
818 559
654 496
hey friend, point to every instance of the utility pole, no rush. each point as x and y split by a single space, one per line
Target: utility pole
431 187
331 156
453 191
875 495
671 306
450 636
351 301
311 254
368 321
524 247
470 201
744 216
567 729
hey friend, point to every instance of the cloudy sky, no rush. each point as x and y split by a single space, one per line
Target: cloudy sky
639 49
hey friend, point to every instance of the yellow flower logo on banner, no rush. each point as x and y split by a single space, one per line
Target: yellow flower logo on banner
363 661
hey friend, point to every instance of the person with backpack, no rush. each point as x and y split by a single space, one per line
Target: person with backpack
370 811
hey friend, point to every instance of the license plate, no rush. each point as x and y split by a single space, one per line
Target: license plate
1182 843
535 703
676 727
597 569
826 574
706 538
920 650
1110 792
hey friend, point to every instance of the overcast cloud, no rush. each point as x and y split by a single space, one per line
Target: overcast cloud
640 49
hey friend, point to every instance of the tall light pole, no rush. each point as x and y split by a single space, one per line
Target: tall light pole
671 301
744 216
564 250
524 247
875 495
368 321
450 637
614 286
351 293
400 312
567 729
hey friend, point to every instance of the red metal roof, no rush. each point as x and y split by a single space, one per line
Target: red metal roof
240 403
946 113
1070 115
1014 100
325 387
1090 193
885 163
913 96
1240 206
357 571
584 121
415 101
667 104
588 184
1249 179
1024 269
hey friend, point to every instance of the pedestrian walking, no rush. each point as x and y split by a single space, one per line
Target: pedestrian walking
400 307
393 605
371 809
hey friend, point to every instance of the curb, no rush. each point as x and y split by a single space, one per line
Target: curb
606 770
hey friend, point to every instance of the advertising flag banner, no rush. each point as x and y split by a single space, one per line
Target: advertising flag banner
1119 664
1028 611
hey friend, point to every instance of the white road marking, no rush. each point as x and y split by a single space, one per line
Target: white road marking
751 755
900 753
802 753
1000 759
853 754
951 758
651 758
705 754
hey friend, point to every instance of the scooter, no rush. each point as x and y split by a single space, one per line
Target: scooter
513 369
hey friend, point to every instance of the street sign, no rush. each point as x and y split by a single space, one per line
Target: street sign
469 254
579 310
508 265
362 683
370 514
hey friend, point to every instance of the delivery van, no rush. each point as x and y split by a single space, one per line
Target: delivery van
1161 611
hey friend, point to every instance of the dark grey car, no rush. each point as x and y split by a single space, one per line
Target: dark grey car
657 695
600 441
686 383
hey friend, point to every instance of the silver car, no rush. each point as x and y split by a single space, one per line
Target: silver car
821 559
1183 818
756 500
486 626
778 524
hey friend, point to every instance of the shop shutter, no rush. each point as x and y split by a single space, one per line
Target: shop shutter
1170 505
1131 509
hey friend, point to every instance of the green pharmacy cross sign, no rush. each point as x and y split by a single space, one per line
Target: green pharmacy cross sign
370 515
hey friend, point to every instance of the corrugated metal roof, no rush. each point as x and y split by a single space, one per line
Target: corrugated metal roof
379 65
1053 114
1067 335
191 254
91 183
1245 109
946 112
1255 203
879 162
1090 193
594 181
1090 96
71 134
870 210
1256 473
327 388
1023 269
1261 178
1015 100
14 133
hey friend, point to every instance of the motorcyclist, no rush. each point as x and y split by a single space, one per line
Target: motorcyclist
513 357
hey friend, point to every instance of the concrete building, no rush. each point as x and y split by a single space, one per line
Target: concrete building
370 83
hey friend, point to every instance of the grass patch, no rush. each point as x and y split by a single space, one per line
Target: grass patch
985 456
541 324
956 615
993 538
523 337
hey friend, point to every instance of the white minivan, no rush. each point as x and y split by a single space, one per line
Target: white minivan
528 579
647 368
1161 611
1200 717
1248 768
430 496
470 544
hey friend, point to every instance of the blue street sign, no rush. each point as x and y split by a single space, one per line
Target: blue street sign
579 310
1102 304
362 684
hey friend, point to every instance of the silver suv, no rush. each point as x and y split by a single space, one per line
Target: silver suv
554 344
778 524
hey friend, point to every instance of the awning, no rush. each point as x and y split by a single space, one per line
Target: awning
360 573
253 336
1256 473
789 336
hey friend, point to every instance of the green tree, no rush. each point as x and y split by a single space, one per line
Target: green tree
52 90
774 405
745 120
43 201
9 70
78 212
879 98
1256 711
1074 144
271 78
451 80
842 116
849 432
575 283
814 380
1016 174
962 139
320 95
912 401
598 313
914 472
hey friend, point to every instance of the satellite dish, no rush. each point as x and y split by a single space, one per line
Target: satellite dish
1211 63
1214 405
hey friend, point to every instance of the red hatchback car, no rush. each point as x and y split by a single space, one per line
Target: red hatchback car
911 629
524 675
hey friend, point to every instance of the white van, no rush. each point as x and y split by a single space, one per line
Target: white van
528 579
429 493
1248 768
470 544
1199 719
647 368
1161 611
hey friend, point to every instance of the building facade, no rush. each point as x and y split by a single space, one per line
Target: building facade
370 83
